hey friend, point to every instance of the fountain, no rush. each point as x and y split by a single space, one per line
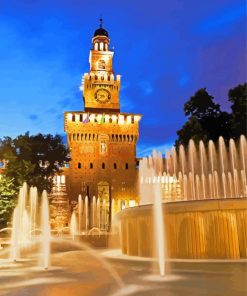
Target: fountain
199 179
73 225
200 193
86 207
94 211
80 210
45 227
25 223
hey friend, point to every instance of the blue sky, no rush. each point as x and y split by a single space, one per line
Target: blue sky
164 50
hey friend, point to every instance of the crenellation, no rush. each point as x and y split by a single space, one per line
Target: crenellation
107 118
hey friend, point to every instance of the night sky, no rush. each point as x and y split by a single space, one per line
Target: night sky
164 50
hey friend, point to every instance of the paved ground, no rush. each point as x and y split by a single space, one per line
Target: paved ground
86 272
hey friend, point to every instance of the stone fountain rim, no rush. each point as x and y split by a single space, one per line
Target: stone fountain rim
203 205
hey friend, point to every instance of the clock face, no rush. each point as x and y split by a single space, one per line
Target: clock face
102 96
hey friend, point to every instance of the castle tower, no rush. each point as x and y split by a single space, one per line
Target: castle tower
102 140
101 88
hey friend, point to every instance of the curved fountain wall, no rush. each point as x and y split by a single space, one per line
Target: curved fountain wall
196 229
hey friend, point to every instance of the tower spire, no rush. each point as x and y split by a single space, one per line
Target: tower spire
100 22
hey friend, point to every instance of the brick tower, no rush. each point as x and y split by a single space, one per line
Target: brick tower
101 139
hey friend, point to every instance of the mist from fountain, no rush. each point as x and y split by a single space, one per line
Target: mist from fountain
24 224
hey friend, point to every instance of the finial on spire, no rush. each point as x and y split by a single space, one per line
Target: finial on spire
101 22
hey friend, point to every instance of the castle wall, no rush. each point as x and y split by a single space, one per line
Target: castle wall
102 150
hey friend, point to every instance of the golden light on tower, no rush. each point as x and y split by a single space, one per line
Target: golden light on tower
102 140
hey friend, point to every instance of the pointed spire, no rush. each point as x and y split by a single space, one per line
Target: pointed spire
100 22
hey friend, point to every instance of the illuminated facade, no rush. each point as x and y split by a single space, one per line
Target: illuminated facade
101 139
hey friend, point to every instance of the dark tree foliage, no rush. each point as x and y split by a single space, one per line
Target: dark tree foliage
206 121
192 129
238 97
33 159
201 105
8 192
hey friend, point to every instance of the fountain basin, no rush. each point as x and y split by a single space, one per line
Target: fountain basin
195 229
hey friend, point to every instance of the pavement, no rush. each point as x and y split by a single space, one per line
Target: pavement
78 270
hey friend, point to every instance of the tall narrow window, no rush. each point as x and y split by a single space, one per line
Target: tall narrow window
103 147
103 165
79 165
115 166
126 166
91 165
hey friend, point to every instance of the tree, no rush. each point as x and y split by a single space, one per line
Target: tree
205 120
192 129
8 193
33 159
201 105
238 97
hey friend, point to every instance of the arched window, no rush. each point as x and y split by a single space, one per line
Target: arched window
126 166
91 165
103 165
115 166
79 165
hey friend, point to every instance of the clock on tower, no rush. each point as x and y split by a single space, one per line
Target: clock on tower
101 86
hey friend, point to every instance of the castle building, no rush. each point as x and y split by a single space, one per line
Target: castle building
102 140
